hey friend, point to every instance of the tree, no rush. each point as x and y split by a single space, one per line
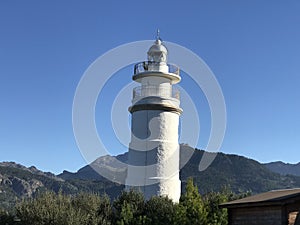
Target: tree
160 211
215 214
129 208
191 208
105 211
126 214
87 205
50 208
6 218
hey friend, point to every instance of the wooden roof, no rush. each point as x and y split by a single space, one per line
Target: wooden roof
276 197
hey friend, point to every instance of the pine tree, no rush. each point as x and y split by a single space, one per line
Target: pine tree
105 213
216 215
191 209
160 211
129 208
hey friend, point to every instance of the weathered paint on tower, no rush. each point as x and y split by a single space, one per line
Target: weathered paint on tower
153 160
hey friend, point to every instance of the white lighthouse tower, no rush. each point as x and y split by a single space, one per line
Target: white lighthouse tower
153 160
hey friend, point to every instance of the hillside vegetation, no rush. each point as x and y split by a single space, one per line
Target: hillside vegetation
234 172
129 208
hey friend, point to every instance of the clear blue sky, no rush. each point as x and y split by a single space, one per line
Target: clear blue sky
253 48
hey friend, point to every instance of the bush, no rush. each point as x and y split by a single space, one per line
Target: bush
58 209
130 208
6 217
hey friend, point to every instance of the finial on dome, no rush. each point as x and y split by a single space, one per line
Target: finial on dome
157 52
157 35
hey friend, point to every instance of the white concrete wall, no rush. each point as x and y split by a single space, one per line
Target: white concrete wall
154 153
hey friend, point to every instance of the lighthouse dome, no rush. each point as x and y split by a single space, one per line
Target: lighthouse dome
157 52
158 47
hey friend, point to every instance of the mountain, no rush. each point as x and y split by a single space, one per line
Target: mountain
238 173
110 165
284 168
18 182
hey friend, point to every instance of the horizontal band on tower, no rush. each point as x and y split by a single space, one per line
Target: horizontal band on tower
163 107
171 76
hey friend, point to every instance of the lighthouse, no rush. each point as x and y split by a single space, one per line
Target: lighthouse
153 155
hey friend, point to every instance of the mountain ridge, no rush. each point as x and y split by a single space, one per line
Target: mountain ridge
284 168
238 173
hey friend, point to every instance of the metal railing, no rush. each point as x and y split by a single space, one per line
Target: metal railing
147 66
151 90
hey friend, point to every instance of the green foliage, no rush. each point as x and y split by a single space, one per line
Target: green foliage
59 209
130 208
160 211
105 213
6 217
212 200
191 205
215 215
88 206
126 215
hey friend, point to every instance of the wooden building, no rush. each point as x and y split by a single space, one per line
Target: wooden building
279 207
